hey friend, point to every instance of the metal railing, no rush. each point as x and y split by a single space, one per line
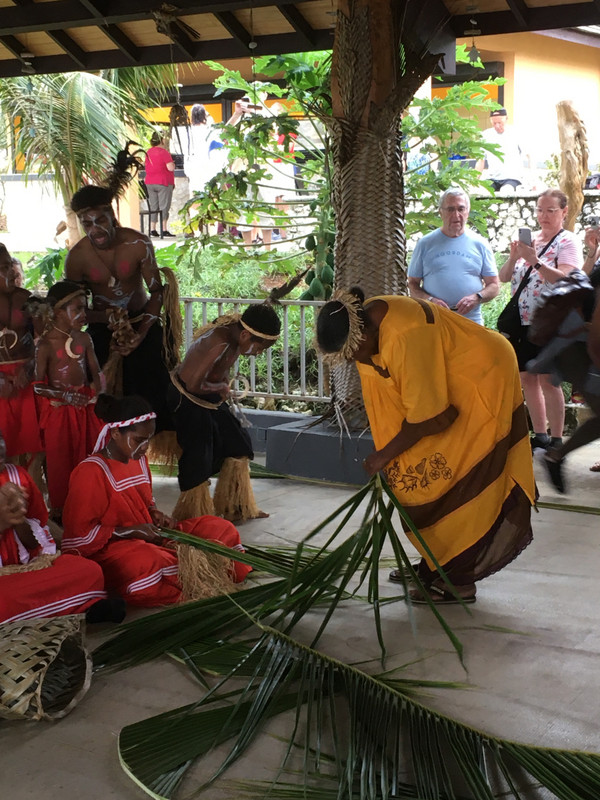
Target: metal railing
289 370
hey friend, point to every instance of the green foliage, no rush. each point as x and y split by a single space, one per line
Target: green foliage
45 269
439 130
72 125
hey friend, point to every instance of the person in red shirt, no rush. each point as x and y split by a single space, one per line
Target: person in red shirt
160 182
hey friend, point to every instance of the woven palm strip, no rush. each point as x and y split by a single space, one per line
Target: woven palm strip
172 320
41 562
234 496
45 668
193 503
203 574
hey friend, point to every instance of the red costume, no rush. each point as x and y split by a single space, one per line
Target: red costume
69 434
105 494
19 417
69 586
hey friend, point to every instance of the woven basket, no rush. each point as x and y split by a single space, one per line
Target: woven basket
45 669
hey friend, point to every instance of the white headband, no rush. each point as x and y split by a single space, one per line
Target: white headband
103 435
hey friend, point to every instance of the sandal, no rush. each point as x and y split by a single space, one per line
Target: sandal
439 596
396 576
594 468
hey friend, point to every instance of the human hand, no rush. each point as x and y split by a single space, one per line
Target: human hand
13 506
375 462
127 348
75 398
592 238
438 301
161 519
467 303
7 387
526 252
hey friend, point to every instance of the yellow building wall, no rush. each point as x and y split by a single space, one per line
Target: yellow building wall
541 71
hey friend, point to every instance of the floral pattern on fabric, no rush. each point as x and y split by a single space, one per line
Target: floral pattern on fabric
529 298
430 468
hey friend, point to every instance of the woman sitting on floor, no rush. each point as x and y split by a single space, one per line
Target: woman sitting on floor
110 515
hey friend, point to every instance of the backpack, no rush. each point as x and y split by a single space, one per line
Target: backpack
572 292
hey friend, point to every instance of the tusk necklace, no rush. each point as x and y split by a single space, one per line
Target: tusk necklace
68 343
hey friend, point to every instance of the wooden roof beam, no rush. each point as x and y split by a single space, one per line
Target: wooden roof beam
123 42
298 23
232 24
61 14
539 19
519 11
70 47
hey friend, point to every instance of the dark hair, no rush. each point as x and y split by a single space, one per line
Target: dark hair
4 251
63 289
263 319
198 114
560 196
333 323
91 197
155 139
117 409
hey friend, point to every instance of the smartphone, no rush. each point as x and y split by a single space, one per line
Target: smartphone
525 236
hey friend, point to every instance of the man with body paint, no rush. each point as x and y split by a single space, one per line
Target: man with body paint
119 267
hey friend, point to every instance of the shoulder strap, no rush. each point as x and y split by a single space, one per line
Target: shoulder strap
525 279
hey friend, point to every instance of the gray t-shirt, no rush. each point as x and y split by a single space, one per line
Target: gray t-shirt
452 267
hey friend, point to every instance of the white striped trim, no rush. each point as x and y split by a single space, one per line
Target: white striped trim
80 541
13 474
43 536
151 580
124 483
52 609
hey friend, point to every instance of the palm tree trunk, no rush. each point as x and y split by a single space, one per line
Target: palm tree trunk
371 86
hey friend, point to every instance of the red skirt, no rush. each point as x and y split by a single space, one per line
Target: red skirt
19 417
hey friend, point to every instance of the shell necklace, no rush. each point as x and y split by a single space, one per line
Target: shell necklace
68 343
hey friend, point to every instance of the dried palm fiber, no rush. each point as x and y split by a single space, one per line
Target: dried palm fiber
40 562
123 334
164 450
36 469
574 154
45 669
193 503
171 319
234 496
203 574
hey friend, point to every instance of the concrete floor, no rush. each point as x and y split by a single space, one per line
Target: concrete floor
538 683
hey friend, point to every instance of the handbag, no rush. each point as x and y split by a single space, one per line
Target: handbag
509 322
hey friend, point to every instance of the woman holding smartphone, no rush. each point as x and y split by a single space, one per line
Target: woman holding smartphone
553 253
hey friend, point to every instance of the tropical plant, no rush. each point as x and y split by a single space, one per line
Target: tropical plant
72 125
349 734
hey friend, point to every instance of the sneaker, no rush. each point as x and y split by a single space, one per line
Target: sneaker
555 472
154 233
168 235
540 442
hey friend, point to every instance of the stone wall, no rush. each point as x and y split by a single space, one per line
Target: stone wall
518 211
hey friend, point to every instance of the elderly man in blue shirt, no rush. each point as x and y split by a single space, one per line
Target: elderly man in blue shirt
453 266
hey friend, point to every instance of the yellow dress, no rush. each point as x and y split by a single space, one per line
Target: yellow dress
468 488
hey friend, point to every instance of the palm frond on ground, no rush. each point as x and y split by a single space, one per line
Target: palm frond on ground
322 577
359 731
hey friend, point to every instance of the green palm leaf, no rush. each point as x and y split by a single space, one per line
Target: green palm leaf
387 734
